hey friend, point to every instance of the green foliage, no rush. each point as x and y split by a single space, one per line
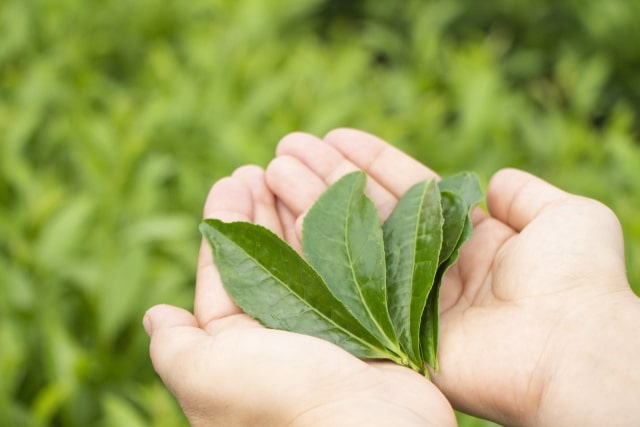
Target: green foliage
413 240
342 240
362 284
271 282
116 116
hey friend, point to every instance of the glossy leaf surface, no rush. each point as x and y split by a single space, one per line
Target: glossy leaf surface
272 283
413 237
460 192
342 239
454 213
371 288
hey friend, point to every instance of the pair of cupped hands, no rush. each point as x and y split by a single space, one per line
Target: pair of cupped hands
538 323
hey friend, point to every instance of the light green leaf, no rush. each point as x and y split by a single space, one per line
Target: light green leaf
413 237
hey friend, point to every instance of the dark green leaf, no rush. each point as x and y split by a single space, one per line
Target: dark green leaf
413 237
429 329
342 239
273 284
460 192
454 213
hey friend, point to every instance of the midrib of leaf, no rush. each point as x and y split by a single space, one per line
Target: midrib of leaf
321 241
465 187
318 312
391 341
416 268
376 351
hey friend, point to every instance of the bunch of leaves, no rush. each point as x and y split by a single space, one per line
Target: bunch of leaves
368 287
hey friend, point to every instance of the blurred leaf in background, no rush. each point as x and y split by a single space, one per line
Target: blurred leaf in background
116 116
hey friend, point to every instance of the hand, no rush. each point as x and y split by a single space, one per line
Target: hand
225 369
538 323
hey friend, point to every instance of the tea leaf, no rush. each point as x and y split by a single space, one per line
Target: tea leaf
454 213
342 239
464 184
273 284
455 217
413 237
372 289
465 187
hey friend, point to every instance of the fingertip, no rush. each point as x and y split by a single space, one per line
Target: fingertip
229 199
248 173
294 183
255 180
503 186
345 133
282 168
290 143
506 174
516 197
164 316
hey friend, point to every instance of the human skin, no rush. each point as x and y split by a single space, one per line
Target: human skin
539 325
227 370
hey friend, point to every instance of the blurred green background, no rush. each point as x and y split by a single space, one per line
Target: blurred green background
116 116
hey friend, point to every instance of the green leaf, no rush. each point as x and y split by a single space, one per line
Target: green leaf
342 239
464 184
413 237
460 192
430 326
454 213
372 289
273 284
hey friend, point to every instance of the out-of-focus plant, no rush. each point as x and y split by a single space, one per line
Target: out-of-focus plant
116 116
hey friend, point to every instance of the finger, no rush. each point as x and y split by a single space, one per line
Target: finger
264 210
162 316
291 231
294 183
230 199
172 330
387 165
328 164
558 221
516 197
182 352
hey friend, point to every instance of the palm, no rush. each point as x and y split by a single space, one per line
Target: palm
306 369
515 284
502 301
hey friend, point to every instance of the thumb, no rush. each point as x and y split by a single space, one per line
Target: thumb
162 317
516 197
174 332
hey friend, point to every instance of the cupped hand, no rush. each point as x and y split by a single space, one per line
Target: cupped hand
226 369
537 302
